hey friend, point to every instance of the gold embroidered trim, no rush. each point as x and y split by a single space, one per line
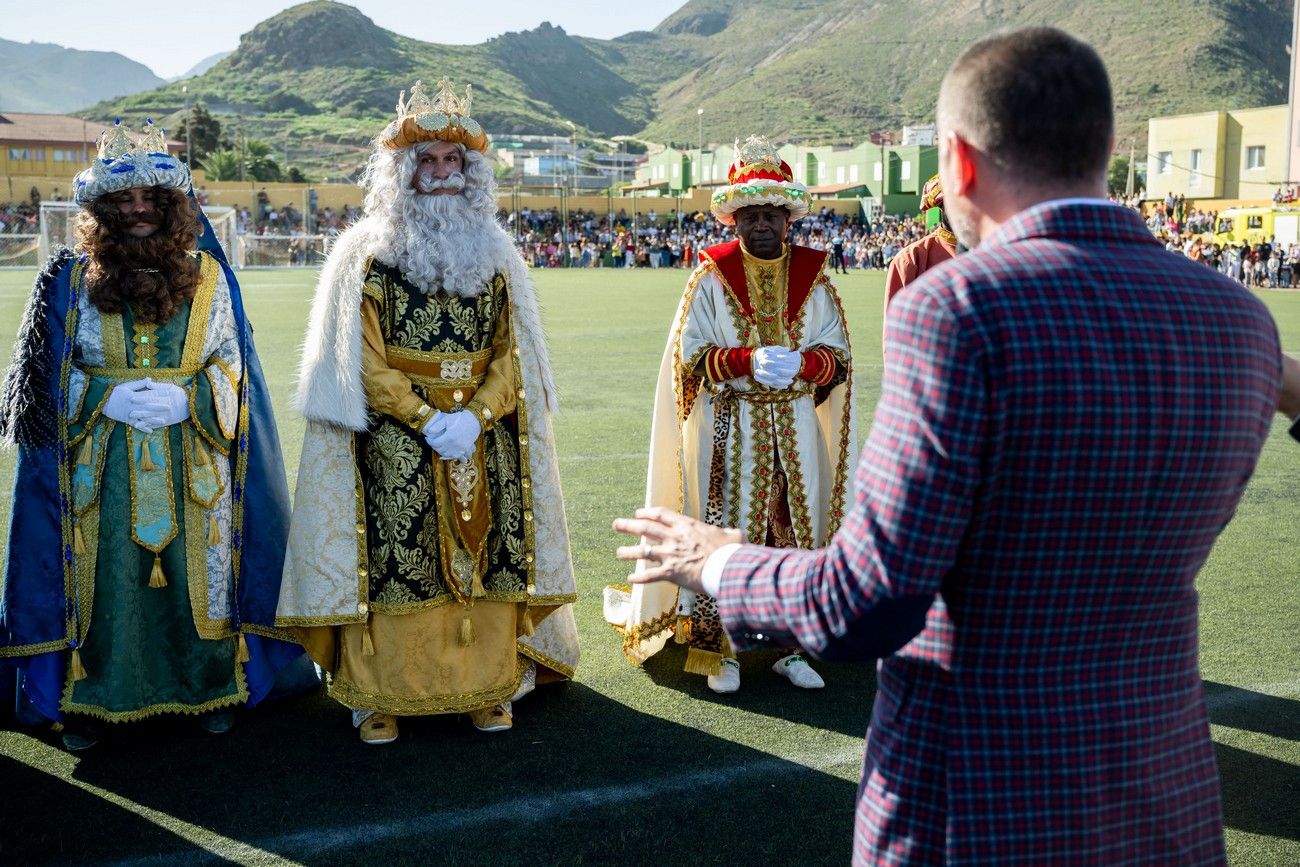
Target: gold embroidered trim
269 632
144 344
196 562
171 488
445 599
439 357
200 312
837 503
647 631
525 462
795 490
548 661
81 401
112 333
94 417
343 691
212 382
223 448
238 697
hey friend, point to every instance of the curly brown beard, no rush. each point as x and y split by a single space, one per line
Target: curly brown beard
153 275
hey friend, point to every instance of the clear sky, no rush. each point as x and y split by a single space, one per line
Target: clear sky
171 44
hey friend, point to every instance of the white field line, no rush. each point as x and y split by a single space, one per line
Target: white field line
536 809
529 810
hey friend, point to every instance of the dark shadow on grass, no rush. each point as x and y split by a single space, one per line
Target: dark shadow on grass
580 779
1259 793
41 820
843 705
1252 711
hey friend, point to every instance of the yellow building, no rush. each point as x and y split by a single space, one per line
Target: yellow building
1218 154
45 151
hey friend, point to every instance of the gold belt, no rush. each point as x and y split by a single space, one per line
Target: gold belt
126 374
440 370
730 395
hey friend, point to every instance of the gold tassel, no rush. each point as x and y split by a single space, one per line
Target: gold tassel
78 540
75 668
530 629
702 661
146 459
367 641
466 631
476 586
156 577
214 532
87 451
682 630
201 458
242 654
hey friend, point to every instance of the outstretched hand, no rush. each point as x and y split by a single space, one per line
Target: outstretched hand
675 545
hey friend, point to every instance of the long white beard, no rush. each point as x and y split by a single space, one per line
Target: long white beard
441 243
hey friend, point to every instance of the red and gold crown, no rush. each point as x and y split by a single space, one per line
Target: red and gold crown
445 118
931 195
759 177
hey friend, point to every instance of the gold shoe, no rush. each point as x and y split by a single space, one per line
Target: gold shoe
379 728
492 719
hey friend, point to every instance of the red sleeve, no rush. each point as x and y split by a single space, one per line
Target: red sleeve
818 366
722 364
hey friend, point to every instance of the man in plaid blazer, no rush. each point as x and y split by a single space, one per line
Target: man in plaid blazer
1069 416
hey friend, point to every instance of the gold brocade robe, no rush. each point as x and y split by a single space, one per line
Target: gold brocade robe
449 548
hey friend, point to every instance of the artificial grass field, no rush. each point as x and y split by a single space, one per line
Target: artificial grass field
623 765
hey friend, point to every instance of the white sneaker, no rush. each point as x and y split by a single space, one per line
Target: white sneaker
527 684
728 679
798 671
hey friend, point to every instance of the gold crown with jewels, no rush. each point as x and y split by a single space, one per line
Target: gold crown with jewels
443 118
125 162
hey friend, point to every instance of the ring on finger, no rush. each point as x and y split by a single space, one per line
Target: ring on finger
645 551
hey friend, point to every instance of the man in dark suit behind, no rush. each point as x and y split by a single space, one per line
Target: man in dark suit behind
1069 416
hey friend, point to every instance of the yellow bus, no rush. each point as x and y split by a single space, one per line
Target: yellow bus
1256 225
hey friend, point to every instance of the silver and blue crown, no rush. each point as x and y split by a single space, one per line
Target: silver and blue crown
124 163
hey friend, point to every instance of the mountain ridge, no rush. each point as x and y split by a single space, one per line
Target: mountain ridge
322 75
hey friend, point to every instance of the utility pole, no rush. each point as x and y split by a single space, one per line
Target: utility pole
189 126
699 116
1292 145
1132 153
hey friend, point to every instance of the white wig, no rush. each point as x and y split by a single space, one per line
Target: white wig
447 243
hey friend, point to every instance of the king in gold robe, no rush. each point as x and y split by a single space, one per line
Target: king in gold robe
425 577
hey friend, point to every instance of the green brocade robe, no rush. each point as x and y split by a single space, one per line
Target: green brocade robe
141 523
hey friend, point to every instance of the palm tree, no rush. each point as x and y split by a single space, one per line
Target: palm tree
221 165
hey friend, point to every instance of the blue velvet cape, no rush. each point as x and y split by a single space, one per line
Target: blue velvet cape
39 618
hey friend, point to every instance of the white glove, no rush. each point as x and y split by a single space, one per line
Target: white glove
147 405
157 404
456 443
776 366
435 427
120 399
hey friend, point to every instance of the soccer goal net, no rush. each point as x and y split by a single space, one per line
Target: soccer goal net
58 223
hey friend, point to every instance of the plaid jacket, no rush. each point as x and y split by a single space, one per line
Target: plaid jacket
1069 416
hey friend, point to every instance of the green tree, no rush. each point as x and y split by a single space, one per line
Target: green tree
222 165
1117 176
296 176
258 162
204 131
